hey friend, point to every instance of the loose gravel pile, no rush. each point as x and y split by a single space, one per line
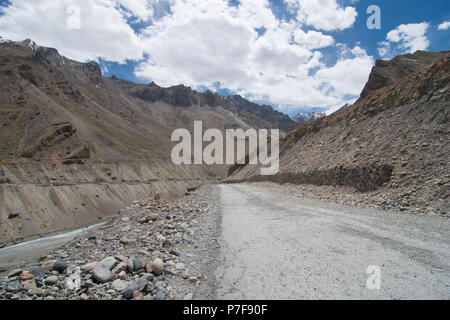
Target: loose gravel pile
153 250
348 196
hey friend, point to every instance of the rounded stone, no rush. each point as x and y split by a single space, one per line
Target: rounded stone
119 285
108 263
60 266
158 266
136 285
102 274
36 271
26 276
51 280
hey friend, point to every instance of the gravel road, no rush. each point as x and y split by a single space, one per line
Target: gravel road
276 246
243 241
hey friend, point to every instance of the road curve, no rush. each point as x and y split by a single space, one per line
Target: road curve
275 246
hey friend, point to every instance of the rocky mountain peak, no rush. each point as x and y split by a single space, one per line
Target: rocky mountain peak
179 96
264 111
211 99
385 73
308 117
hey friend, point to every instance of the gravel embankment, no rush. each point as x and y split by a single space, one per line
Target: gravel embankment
399 200
154 249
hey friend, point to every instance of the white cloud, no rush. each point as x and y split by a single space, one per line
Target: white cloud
104 31
312 39
142 10
444 25
406 38
325 15
183 53
201 42
257 13
274 55
349 75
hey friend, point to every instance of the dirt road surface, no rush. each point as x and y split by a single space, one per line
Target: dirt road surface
283 247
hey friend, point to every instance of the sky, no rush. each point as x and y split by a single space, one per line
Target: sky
296 55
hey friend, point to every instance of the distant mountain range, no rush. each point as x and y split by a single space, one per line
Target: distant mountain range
308 117
84 145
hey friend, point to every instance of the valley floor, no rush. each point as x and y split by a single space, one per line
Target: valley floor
247 241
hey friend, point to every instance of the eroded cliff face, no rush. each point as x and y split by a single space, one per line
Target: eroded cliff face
393 142
76 146
50 196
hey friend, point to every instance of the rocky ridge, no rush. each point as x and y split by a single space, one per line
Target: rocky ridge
264 111
308 117
391 145
384 73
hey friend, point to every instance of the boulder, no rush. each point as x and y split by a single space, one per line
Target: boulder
102 274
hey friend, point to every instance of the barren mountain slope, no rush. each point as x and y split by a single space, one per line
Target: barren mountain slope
266 112
385 73
76 146
394 144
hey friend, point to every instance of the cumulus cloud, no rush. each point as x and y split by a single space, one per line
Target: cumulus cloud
444 25
275 66
183 53
406 38
325 15
103 32
140 10
257 13
245 48
312 39
349 75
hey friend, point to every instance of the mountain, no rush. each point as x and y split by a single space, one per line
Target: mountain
308 117
282 121
344 107
385 73
76 146
391 145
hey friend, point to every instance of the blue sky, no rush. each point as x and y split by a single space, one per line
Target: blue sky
293 54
